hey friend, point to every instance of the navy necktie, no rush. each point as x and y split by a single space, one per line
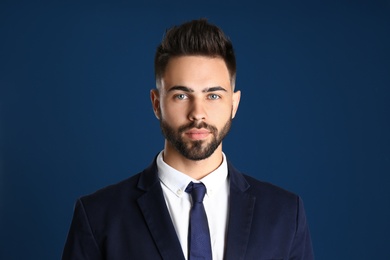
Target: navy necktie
198 233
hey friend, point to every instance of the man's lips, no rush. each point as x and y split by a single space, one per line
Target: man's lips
197 134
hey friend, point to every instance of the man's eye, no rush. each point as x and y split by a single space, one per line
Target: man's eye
181 96
214 96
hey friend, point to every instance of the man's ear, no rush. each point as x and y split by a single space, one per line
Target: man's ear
236 101
155 98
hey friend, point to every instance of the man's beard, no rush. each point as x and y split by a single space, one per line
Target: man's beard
194 149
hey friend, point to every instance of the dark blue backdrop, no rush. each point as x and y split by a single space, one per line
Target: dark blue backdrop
314 114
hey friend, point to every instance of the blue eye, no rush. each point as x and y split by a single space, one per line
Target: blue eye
181 96
214 96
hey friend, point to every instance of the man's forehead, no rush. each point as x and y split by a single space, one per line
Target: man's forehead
187 70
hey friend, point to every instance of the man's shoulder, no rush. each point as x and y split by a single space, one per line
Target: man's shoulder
112 203
114 192
259 186
131 187
269 195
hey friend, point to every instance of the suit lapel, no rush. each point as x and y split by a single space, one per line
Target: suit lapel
153 207
240 217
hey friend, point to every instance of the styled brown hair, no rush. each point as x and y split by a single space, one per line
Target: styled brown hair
197 37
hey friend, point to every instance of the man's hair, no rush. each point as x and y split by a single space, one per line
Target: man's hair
197 37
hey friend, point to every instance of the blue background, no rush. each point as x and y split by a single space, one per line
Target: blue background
314 114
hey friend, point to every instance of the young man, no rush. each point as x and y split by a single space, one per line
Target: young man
158 213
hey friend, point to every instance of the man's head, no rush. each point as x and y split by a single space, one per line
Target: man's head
195 99
195 38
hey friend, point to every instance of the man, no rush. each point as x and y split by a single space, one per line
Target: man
155 214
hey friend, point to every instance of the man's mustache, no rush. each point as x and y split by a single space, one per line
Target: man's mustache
198 125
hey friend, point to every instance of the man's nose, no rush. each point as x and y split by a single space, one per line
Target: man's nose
197 110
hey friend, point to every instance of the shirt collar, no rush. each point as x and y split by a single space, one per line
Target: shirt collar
177 181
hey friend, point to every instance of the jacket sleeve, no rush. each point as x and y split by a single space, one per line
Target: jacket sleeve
80 243
302 247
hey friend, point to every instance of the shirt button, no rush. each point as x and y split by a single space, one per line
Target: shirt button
179 192
210 192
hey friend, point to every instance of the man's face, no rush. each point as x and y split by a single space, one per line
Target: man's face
195 105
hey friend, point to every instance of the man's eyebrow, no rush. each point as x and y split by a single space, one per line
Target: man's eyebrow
212 89
182 88
187 89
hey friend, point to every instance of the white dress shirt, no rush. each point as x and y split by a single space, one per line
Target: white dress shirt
178 201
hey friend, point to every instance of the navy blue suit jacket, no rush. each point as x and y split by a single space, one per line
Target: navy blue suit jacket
130 220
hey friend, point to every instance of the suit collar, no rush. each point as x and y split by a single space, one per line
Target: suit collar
237 179
241 209
156 215
148 178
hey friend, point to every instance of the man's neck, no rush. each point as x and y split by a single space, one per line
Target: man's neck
194 169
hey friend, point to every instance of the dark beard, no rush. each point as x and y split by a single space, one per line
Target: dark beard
194 150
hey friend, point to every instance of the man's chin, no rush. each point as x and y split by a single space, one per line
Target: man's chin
199 152
196 157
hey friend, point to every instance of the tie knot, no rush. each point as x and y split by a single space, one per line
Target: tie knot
197 191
